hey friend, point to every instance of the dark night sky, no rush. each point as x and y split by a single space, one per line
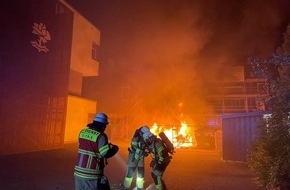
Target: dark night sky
172 48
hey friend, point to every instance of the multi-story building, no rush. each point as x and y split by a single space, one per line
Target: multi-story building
237 93
47 49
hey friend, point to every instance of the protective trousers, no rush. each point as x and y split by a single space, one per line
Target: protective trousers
97 184
157 178
157 174
133 165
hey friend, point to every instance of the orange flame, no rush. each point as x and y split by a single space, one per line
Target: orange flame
182 136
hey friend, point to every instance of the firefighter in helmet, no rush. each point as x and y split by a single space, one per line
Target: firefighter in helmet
93 151
137 152
160 158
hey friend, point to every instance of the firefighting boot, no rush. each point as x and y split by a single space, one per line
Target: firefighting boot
140 183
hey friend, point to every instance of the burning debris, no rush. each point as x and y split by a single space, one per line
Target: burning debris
181 136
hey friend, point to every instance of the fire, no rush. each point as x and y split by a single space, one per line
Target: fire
181 136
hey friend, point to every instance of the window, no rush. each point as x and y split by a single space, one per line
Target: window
95 51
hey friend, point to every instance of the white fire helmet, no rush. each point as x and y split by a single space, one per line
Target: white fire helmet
102 118
145 131
144 128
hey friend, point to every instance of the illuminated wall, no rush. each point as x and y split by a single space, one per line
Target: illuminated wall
84 63
86 37
80 112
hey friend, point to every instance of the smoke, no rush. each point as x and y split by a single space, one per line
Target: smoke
171 50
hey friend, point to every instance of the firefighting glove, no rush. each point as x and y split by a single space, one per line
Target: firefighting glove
115 148
112 151
145 154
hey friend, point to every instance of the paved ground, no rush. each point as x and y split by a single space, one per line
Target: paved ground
189 170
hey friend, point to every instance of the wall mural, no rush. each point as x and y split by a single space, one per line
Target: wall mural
43 37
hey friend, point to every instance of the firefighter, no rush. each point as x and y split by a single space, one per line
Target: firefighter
160 158
137 152
93 152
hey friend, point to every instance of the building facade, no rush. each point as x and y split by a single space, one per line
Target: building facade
46 49
237 93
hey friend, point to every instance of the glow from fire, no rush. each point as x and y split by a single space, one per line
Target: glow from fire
180 136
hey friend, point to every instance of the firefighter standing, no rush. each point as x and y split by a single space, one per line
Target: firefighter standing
137 152
160 159
93 151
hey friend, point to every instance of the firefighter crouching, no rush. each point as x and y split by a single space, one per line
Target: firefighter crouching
160 158
137 152
93 151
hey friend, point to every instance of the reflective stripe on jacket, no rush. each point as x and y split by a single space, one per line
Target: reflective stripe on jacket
90 163
137 145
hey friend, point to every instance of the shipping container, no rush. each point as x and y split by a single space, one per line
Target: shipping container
238 133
